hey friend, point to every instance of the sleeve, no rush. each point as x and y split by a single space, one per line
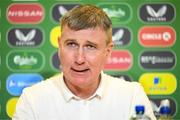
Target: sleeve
23 110
140 98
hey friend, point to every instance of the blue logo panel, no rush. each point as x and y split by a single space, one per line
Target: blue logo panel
15 83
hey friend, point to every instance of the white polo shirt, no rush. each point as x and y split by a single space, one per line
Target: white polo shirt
115 99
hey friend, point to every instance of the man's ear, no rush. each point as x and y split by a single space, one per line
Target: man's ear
109 48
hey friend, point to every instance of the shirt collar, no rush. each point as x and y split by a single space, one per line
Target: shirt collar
68 95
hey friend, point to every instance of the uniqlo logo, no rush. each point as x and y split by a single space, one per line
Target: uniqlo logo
119 60
157 36
21 13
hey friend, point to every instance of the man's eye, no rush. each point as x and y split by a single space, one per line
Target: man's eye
91 47
71 44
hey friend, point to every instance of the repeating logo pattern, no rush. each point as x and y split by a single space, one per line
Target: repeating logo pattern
55 61
118 12
158 83
15 83
29 48
161 12
157 60
157 36
10 106
25 37
61 9
120 60
121 36
24 13
25 60
54 34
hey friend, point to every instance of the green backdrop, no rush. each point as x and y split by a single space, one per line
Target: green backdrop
41 55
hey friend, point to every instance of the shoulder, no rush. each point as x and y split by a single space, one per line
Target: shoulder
43 87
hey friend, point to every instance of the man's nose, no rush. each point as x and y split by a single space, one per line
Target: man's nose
80 56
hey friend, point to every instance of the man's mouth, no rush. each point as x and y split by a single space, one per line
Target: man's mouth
80 70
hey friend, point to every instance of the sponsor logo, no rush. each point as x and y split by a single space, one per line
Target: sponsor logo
25 37
157 36
25 60
55 61
121 36
60 9
118 13
25 13
157 60
15 83
156 104
119 60
158 83
55 33
124 77
10 106
157 12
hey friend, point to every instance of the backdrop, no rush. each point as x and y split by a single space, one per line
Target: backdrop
145 34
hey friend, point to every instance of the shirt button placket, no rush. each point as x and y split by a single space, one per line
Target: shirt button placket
85 110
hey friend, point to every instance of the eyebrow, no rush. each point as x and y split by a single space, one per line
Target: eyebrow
92 43
70 40
87 42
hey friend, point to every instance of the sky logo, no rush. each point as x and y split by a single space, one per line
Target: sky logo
15 83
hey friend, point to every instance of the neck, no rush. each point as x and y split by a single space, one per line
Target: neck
84 91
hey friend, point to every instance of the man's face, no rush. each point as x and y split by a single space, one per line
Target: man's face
83 54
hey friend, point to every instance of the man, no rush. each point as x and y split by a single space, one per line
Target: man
83 91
